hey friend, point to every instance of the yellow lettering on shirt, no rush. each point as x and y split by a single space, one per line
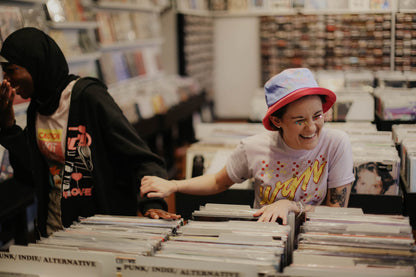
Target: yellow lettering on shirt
289 187
49 135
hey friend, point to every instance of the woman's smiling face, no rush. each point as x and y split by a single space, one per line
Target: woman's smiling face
302 122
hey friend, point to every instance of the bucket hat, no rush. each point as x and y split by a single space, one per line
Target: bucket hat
290 85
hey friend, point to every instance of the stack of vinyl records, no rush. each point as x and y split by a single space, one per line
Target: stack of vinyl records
221 212
262 244
395 103
115 234
404 136
347 242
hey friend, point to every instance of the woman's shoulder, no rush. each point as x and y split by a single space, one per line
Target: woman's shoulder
263 140
88 85
335 137
91 90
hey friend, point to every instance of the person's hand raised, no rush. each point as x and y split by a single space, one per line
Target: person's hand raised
7 94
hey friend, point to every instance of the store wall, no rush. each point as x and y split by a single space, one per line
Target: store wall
169 45
237 71
236 65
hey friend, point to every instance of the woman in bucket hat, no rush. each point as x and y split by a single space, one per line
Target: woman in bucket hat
296 165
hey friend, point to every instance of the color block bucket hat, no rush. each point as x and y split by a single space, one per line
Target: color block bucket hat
290 85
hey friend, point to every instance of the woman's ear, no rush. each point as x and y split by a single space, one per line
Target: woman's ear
276 121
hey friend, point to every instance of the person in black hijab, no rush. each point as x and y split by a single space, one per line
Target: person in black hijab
78 149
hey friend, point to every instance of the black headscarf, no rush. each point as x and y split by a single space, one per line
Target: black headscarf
43 59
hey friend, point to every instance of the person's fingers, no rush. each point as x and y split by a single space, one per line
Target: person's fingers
154 195
167 215
284 220
158 213
264 217
12 95
259 212
145 189
4 91
152 214
7 95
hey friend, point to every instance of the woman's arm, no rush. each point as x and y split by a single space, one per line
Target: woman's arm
339 197
202 185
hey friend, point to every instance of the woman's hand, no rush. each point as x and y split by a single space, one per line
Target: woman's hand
7 94
153 186
279 209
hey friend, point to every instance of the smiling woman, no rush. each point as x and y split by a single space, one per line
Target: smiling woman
294 167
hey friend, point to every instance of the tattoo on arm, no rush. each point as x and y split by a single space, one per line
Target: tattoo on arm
338 196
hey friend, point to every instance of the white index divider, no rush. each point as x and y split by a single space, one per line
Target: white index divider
45 262
218 206
149 266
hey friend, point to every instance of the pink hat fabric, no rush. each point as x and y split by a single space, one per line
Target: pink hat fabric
290 85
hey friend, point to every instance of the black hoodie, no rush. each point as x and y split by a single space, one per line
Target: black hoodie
97 130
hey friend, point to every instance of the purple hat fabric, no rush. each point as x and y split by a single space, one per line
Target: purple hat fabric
290 85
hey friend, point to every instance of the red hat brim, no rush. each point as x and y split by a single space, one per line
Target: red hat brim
295 95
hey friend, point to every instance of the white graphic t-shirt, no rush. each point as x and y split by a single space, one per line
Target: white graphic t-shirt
51 135
281 172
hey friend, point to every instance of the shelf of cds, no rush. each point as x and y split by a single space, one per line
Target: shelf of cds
280 7
94 31
129 39
15 15
25 2
72 25
140 6
196 49
327 41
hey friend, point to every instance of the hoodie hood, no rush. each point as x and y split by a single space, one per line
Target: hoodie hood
43 59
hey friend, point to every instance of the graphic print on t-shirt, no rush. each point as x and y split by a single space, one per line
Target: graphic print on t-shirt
49 141
287 180
77 179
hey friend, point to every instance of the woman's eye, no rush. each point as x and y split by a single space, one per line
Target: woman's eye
317 117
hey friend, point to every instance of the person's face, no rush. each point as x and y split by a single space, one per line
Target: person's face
368 183
302 123
19 78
